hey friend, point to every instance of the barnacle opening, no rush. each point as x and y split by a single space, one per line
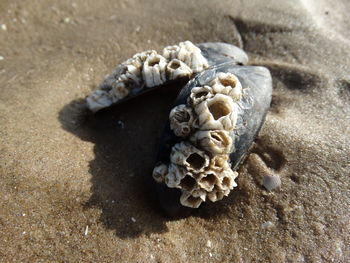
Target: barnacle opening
174 64
201 94
228 81
196 161
209 180
219 109
193 201
187 183
226 182
153 61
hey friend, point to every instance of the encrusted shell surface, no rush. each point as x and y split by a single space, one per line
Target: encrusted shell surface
146 70
215 119
228 103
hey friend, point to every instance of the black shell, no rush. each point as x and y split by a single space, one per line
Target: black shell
257 88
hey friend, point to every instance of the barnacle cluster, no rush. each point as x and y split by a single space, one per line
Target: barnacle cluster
146 70
199 164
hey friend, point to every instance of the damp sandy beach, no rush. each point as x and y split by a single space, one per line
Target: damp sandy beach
78 189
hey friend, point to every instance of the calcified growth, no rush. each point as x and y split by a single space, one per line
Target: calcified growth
199 164
146 70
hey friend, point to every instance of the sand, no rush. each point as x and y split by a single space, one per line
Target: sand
75 188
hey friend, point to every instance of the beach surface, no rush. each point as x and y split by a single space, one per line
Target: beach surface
74 188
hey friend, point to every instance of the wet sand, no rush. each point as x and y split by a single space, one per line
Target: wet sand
75 188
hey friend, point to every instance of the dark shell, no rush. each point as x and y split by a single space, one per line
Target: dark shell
257 86
215 53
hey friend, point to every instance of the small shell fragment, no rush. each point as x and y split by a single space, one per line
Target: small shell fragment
271 182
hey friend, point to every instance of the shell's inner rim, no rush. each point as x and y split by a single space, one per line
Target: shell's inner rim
186 129
201 94
153 61
187 183
216 137
226 181
174 65
196 161
228 82
210 179
193 200
183 117
219 109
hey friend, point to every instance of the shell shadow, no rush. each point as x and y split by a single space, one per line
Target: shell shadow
125 139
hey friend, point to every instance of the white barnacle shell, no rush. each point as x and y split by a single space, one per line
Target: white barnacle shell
159 172
170 52
99 99
174 176
192 56
214 141
217 194
179 177
187 199
119 90
181 119
154 70
177 69
208 180
199 94
142 56
227 179
193 159
227 84
216 113
219 162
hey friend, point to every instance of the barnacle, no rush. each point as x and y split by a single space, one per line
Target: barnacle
192 56
219 162
199 94
99 99
153 70
187 155
170 52
217 113
188 53
214 141
181 119
159 172
177 69
187 199
227 84
119 91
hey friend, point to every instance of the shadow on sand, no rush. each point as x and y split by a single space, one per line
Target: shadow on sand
125 144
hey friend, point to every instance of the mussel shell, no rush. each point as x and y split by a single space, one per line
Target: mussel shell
216 53
257 87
